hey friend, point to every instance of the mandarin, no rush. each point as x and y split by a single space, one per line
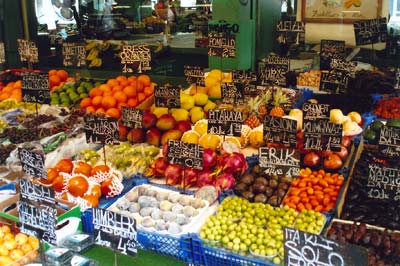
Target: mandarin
120 96
108 102
95 92
85 102
113 112
62 74
96 101
65 165
130 91
132 102
144 79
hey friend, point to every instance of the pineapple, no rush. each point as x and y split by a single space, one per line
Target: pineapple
262 109
279 99
254 104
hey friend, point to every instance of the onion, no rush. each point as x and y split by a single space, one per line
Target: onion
173 174
189 177
158 167
205 177
225 181
234 163
209 158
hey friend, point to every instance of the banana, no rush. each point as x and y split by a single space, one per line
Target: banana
90 45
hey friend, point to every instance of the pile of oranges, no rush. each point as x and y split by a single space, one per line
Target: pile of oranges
108 98
11 91
57 78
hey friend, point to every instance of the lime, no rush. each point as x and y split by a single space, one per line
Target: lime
376 125
394 122
369 135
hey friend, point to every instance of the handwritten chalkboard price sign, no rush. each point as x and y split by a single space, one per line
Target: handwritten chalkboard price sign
331 49
280 130
275 71
131 117
74 54
280 162
115 231
186 154
221 44
36 87
224 122
370 31
383 183
334 81
28 51
167 96
315 110
389 141
194 75
101 130
291 32
135 58
232 93
320 134
244 76
33 162
301 248
36 193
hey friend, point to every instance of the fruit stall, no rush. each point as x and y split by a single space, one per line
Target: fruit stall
105 159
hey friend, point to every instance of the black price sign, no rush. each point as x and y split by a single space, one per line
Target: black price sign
331 49
301 248
315 110
320 134
27 50
2 53
232 93
186 154
221 44
224 122
74 54
280 162
131 117
135 58
35 193
291 32
194 75
32 162
334 81
101 130
167 96
115 231
38 221
280 130
274 73
244 76
396 84
370 31
389 141
383 183
36 87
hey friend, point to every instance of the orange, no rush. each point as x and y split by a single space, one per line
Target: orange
10 84
119 105
90 109
132 102
113 112
112 82
52 173
117 88
96 101
124 83
92 200
53 72
85 102
108 93
108 102
144 79
148 90
4 96
95 191
18 84
99 168
65 165
132 78
121 78
82 167
101 111
130 91
95 92
7 89
54 80
78 185
140 87
105 87
141 97
62 74
120 96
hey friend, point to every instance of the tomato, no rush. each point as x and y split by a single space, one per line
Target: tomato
106 187
78 185
58 183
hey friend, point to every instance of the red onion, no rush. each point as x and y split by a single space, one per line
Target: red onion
173 174
225 181
205 177
209 158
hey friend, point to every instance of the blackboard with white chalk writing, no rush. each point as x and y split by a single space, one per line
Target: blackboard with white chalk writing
33 162
194 75
221 44
315 110
291 32
131 117
101 130
232 93
35 193
244 76
135 58
301 248
370 31
186 154
280 162
275 71
333 81
115 231
331 49
167 96
322 135
280 130
36 87
28 51
74 54
224 122
389 141
383 183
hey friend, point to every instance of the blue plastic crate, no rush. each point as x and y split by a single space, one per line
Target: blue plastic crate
306 95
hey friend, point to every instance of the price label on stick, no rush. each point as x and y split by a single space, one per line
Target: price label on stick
314 111
2 53
221 44
389 141
383 183
333 81
135 58
35 193
232 93
280 162
274 73
301 248
194 75
244 76
396 84
101 130
28 51
36 87
167 96
224 122
131 117
331 49
115 231
280 130
291 32
186 154
32 161
74 54
370 31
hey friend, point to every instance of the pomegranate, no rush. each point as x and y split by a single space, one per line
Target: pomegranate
189 177
205 177
225 181
173 174
209 158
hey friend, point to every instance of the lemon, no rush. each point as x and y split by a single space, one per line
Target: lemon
191 136
210 141
187 101
180 114
336 116
354 116
159 111
216 73
195 89
196 116
201 127
200 99
211 81
215 91
210 105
